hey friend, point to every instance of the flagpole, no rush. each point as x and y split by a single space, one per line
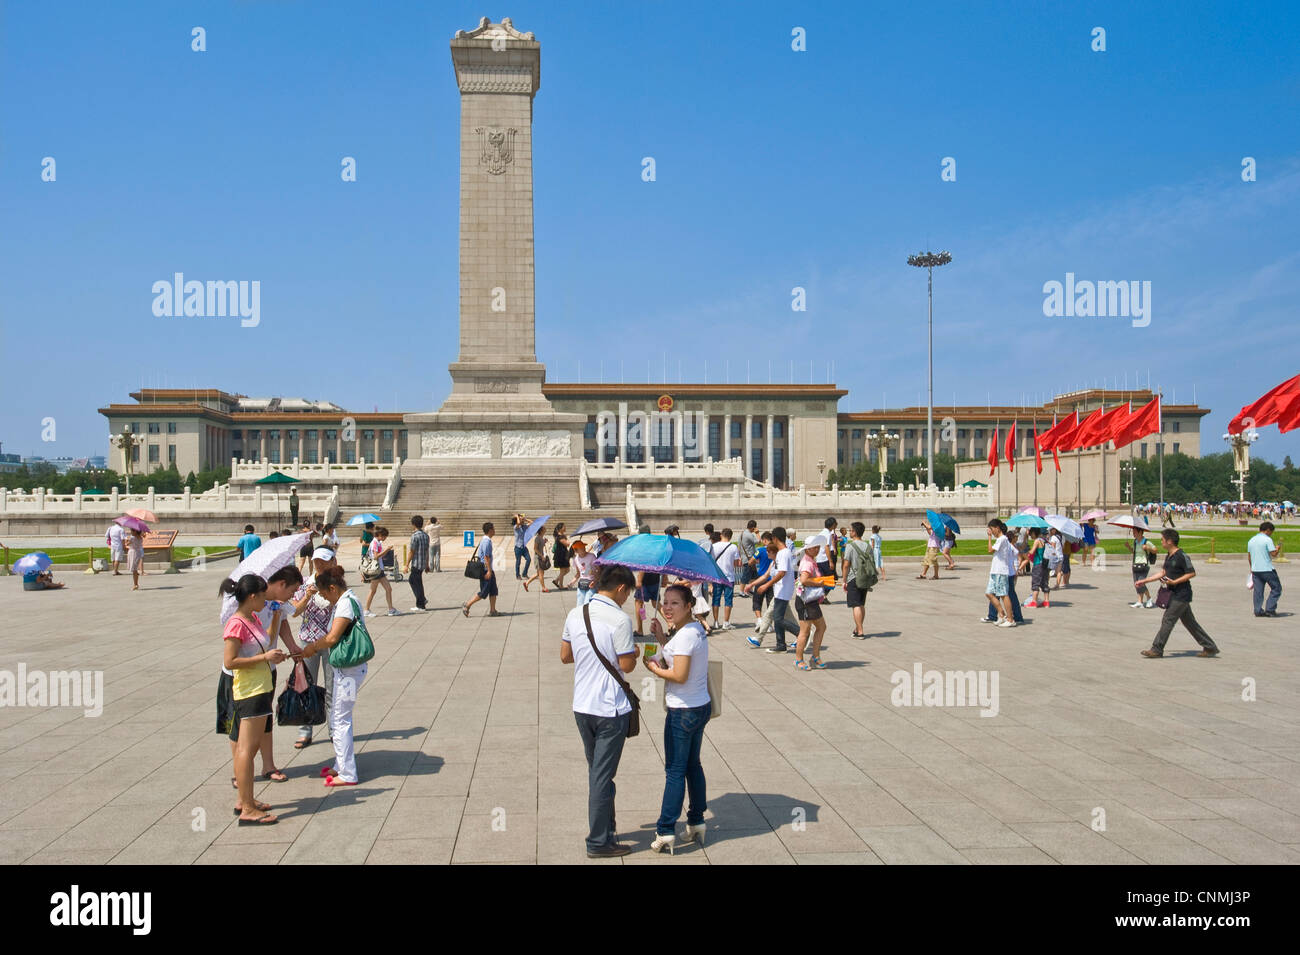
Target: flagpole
1014 435
1056 472
1102 502
1038 456
996 435
1160 449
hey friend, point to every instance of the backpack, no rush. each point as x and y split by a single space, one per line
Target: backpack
867 575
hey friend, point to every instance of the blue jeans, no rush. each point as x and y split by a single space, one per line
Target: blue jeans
602 741
584 594
522 552
1274 590
779 608
1015 604
683 735
723 595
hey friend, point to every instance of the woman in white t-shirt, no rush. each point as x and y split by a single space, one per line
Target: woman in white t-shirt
347 680
683 663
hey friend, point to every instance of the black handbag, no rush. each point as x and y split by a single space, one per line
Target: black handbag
301 709
1163 596
474 568
633 718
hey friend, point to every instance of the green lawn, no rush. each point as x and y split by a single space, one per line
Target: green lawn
1193 541
77 555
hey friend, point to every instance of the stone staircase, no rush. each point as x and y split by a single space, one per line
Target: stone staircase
463 496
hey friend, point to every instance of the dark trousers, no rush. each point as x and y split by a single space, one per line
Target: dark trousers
1274 590
683 736
1016 615
417 587
522 552
602 740
779 608
1181 610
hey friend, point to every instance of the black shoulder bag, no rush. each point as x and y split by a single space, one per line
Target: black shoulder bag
634 718
474 568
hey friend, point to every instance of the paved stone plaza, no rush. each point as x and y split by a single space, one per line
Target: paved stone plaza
466 723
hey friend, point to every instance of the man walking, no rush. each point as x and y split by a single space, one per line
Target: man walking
116 547
293 506
727 556
780 579
749 552
487 587
417 562
595 636
1177 575
1262 550
856 554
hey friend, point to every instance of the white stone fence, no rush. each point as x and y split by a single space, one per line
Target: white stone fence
834 499
362 471
218 500
659 470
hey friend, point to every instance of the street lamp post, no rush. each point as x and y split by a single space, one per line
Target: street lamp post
882 441
1128 467
1240 444
127 442
821 473
929 261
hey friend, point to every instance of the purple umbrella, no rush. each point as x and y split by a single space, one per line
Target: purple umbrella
132 523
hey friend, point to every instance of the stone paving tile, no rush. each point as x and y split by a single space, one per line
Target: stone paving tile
460 718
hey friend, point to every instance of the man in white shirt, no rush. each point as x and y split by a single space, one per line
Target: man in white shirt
1000 570
780 579
726 554
601 707
117 550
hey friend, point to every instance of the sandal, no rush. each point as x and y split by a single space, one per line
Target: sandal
302 742
276 776
801 665
266 820
464 608
328 771
336 781
261 806
817 663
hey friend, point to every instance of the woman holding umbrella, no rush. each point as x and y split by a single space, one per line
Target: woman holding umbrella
135 556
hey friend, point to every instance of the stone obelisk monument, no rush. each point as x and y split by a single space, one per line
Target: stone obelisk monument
496 410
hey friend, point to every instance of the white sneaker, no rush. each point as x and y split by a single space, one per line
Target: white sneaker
985 620
1137 604
370 613
416 610
392 612
1149 604
1006 623
728 626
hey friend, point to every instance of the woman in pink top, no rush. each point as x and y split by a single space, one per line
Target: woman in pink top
808 607
378 548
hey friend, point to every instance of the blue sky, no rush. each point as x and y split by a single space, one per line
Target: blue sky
775 169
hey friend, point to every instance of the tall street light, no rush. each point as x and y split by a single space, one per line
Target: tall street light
1240 444
881 441
929 261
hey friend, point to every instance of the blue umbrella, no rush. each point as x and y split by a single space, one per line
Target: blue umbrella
936 522
1027 520
599 524
34 563
951 522
538 523
362 519
662 554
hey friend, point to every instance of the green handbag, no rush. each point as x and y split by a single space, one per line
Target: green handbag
356 648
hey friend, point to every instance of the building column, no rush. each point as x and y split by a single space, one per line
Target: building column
702 437
622 432
749 445
726 437
789 451
678 419
320 446
767 444
338 446
600 445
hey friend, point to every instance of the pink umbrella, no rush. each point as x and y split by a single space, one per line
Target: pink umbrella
1096 512
143 513
1034 509
132 523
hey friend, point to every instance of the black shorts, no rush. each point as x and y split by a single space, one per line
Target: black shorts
251 709
856 597
649 593
807 611
487 587
225 702
1141 573
1039 576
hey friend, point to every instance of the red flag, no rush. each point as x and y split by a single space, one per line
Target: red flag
1107 423
1265 409
1052 435
1097 426
1144 421
993 453
1038 452
1069 439
1288 418
1011 447
1056 460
